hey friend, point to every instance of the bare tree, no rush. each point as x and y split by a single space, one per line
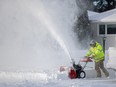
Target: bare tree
104 5
82 25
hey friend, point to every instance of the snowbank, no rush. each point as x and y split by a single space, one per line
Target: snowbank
112 58
50 79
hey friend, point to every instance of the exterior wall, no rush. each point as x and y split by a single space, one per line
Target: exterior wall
110 40
94 34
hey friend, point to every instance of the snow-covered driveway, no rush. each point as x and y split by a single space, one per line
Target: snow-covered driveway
34 79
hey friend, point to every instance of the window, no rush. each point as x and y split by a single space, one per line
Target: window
106 29
111 29
101 29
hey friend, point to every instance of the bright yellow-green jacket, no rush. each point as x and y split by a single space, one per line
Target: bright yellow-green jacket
97 52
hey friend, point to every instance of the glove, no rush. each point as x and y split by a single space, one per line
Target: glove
86 57
91 57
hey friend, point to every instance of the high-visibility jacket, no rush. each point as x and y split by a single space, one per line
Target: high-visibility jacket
96 52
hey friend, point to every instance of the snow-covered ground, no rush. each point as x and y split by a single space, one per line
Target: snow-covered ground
50 79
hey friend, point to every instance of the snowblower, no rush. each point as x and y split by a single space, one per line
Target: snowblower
77 70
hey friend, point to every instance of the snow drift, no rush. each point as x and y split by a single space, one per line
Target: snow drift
111 58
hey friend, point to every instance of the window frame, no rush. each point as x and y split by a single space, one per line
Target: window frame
106 27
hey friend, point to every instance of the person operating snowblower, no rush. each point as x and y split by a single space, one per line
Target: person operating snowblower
96 52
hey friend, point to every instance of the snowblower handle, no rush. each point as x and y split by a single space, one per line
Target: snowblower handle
86 60
88 57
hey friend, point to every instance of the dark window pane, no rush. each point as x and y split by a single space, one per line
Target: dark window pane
101 29
111 29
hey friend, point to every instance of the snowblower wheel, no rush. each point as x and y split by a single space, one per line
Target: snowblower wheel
82 74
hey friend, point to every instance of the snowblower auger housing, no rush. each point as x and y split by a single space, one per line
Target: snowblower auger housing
77 71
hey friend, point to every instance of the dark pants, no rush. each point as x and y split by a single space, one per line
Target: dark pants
100 65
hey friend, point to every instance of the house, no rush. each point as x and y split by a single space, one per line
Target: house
103 26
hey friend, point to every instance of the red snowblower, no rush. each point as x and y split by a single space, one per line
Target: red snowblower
77 70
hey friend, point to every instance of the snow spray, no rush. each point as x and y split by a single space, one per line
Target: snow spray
48 23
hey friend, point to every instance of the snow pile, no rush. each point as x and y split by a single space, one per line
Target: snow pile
33 79
49 79
12 77
112 58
